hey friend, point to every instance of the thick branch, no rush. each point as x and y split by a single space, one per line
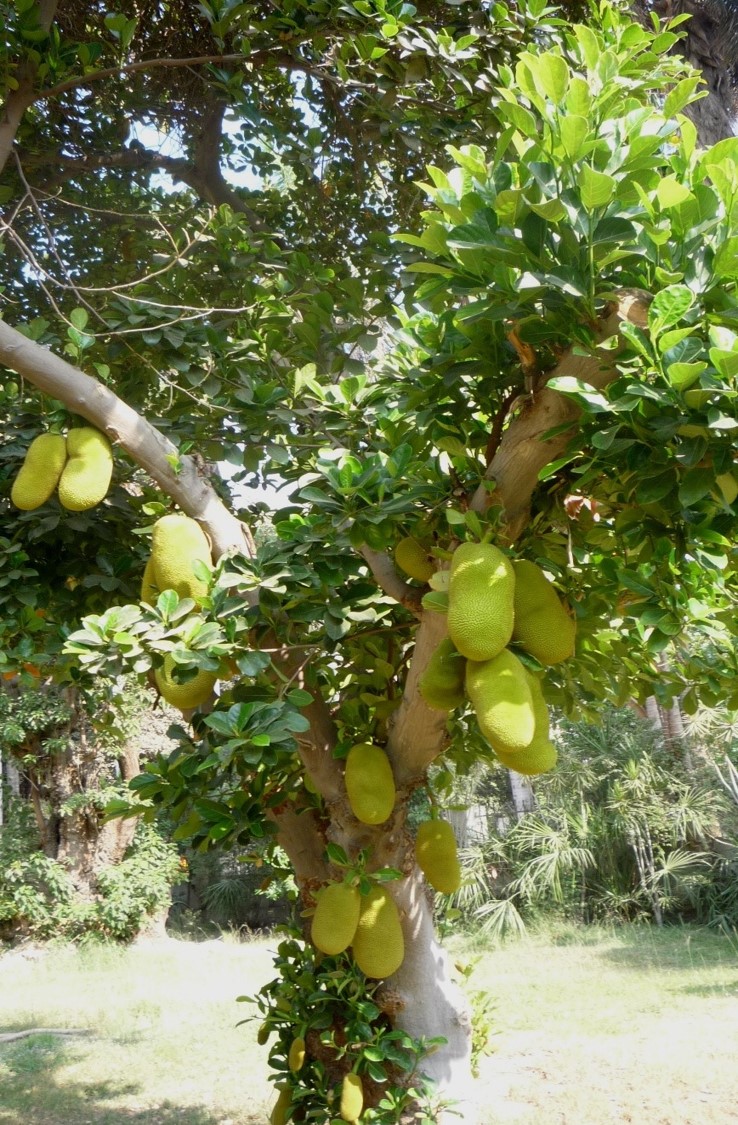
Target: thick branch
418 733
299 834
24 95
84 395
388 579
523 452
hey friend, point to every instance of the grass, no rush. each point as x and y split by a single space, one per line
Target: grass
593 1027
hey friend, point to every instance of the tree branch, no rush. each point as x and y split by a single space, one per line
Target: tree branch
418 733
388 579
24 95
523 452
142 441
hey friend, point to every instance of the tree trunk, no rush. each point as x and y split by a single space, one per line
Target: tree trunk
521 791
429 1003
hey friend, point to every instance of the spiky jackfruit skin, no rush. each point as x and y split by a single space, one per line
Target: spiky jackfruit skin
185 696
336 918
480 600
177 543
296 1057
543 626
86 476
378 946
149 590
499 692
278 1115
437 856
370 783
412 557
39 474
442 683
352 1098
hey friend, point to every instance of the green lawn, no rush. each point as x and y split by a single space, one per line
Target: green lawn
592 1027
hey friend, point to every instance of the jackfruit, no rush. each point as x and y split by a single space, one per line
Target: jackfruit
442 683
539 757
499 691
281 1106
296 1057
336 918
480 600
185 696
86 476
177 542
352 1098
262 1035
435 851
370 783
542 625
39 474
413 558
149 590
378 944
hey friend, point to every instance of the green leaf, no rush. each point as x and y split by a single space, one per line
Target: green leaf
596 188
79 318
683 375
696 484
669 306
670 192
551 76
574 132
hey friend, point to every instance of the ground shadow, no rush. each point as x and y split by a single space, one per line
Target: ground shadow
31 1092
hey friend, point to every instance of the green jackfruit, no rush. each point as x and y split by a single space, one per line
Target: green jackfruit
262 1036
442 683
296 1057
370 783
39 474
543 627
541 755
177 543
149 589
413 558
185 696
499 691
352 1098
86 476
281 1106
378 944
435 851
336 918
480 600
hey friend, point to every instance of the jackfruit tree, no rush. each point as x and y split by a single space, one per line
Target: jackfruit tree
461 282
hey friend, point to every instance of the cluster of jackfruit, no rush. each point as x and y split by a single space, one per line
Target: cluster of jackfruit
177 544
369 923
494 602
79 465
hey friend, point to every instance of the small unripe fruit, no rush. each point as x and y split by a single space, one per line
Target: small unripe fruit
296 1056
370 783
352 1098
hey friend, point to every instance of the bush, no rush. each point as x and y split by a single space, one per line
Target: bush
38 898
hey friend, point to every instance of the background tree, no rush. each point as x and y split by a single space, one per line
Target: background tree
561 377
